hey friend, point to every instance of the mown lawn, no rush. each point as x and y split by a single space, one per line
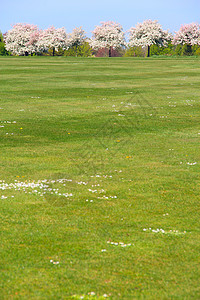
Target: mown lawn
99 178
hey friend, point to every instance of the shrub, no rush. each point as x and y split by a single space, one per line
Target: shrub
186 50
105 52
3 50
135 52
52 52
83 50
178 50
197 52
157 50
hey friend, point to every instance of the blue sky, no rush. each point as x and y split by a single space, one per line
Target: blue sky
89 13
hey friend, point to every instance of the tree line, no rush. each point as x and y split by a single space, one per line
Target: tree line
108 39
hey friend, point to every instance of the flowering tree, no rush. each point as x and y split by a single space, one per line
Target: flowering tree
148 33
108 35
188 34
77 37
22 39
52 38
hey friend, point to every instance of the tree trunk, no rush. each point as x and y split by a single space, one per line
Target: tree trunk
148 51
189 50
110 52
53 51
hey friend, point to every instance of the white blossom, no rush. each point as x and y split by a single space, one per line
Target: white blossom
52 38
148 33
22 39
108 35
76 37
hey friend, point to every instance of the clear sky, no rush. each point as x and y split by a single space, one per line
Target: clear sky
89 13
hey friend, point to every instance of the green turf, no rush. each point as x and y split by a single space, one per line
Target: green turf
123 135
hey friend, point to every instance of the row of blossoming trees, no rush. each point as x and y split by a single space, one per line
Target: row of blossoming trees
27 39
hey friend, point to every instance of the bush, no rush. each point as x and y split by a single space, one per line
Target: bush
83 50
157 50
187 50
104 52
197 52
154 50
3 51
178 50
135 52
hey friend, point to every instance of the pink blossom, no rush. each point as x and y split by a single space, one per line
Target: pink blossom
188 34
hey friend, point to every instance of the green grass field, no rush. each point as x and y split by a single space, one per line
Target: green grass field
99 178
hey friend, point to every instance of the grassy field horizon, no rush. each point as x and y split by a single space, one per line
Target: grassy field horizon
99 178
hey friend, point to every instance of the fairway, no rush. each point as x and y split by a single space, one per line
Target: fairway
99 178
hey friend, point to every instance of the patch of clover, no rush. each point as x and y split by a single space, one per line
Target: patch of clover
54 262
4 123
49 187
90 295
162 231
40 187
191 164
120 244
